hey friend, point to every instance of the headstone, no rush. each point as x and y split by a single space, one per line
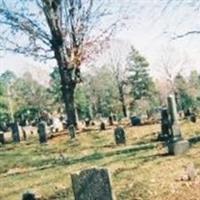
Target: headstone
187 113
2 139
15 132
92 184
193 118
135 121
110 120
165 126
72 131
42 131
102 126
28 196
93 123
87 122
176 145
120 136
24 134
176 132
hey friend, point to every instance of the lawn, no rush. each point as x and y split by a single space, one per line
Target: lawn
139 170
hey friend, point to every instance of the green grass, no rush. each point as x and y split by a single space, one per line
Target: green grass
139 170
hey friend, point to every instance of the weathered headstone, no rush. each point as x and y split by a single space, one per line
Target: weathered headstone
28 196
193 118
176 144
165 126
120 136
87 122
135 121
15 132
24 134
92 184
72 131
42 131
110 120
93 123
2 139
102 126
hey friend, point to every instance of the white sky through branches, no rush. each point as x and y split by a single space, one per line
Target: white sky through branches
151 26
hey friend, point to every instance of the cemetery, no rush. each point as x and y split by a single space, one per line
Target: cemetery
99 100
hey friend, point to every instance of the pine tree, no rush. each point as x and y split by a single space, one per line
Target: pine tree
141 82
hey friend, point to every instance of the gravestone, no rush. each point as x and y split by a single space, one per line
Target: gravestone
24 134
93 123
15 132
135 121
120 136
92 184
193 118
28 196
165 126
176 144
110 120
87 122
2 139
42 131
72 131
102 126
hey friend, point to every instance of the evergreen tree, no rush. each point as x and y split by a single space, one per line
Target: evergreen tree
142 86
139 78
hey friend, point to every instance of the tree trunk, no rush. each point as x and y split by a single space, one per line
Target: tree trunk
68 84
121 96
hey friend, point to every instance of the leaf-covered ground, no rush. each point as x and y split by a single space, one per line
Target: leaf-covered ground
139 170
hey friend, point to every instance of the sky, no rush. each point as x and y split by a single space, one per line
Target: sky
151 27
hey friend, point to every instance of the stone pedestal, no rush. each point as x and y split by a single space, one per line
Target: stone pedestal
178 147
92 184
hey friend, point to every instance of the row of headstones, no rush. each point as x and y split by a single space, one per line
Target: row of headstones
89 184
119 134
42 131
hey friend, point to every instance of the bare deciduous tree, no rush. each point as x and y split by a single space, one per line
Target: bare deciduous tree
65 30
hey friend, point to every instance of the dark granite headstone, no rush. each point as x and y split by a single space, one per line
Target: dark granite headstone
102 126
165 126
2 139
120 136
193 118
135 121
87 122
110 120
72 131
92 184
15 132
28 196
42 131
24 134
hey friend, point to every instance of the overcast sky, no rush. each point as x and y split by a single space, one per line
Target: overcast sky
151 27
